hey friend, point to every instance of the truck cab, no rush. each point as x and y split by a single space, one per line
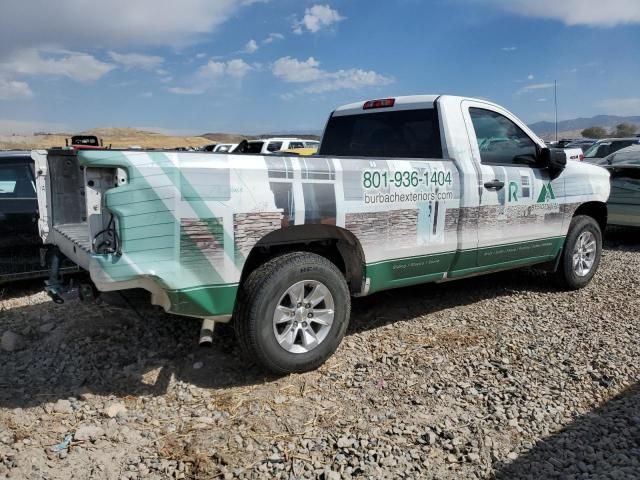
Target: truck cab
405 190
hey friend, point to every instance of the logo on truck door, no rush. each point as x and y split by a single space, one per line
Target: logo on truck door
546 194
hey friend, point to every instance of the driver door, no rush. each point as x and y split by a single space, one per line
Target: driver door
519 220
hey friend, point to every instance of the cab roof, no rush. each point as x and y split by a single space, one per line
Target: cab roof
408 102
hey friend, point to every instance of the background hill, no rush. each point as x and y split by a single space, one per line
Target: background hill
116 137
568 128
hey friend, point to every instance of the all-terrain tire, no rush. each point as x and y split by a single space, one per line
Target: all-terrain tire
569 275
263 291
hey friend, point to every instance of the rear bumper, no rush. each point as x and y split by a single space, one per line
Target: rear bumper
207 301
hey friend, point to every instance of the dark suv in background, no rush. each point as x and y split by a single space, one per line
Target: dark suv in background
21 249
607 146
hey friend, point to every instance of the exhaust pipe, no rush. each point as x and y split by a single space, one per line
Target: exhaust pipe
206 332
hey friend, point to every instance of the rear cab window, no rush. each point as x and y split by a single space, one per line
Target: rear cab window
390 134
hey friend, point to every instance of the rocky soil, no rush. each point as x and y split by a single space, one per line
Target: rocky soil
494 377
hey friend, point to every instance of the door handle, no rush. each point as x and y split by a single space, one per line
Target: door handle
494 185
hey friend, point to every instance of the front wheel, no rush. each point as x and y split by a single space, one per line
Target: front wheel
581 253
293 312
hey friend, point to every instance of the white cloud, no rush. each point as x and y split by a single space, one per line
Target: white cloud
530 76
316 18
308 72
272 37
509 49
78 66
251 46
541 100
137 60
620 106
14 90
213 74
215 70
237 68
201 55
534 87
146 94
212 70
115 24
296 71
577 12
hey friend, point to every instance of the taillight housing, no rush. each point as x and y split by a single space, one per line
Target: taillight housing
380 103
581 157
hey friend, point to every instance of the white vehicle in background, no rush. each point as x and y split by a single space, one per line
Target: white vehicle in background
270 145
225 147
574 154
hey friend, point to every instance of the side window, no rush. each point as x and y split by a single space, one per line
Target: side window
274 146
296 145
500 141
16 181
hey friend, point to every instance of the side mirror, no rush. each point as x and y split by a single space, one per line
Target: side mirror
555 159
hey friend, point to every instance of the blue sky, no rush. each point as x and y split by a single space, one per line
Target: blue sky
255 66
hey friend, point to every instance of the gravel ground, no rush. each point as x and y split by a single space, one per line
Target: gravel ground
499 376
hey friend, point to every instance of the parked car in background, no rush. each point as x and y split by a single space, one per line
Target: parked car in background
209 148
85 142
312 144
270 145
607 146
22 253
624 202
562 143
225 147
583 143
574 153
305 152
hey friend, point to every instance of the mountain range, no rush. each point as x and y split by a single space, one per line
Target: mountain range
605 121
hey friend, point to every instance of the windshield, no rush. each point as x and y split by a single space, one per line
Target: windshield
598 150
396 134
627 156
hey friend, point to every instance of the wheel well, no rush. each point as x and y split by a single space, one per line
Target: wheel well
596 210
336 244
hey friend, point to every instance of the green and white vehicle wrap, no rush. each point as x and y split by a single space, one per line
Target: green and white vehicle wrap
404 191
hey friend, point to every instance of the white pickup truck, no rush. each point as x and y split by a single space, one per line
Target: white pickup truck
404 191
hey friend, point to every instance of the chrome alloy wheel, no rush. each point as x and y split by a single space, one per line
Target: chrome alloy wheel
584 254
303 316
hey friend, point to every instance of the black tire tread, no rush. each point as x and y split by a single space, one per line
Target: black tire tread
247 306
562 276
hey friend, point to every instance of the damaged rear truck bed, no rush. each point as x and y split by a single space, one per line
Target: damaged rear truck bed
404 191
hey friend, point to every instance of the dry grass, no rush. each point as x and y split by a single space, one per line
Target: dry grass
116 137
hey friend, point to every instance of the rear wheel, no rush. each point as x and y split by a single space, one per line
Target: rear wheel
293 312
581 253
